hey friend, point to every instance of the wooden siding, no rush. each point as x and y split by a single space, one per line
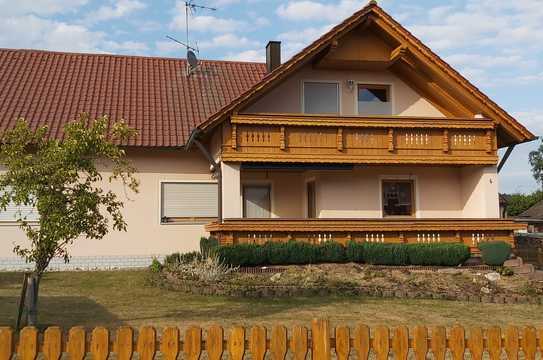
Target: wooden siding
468 231
359 140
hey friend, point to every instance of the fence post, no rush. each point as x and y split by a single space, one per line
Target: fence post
28 344
439 342
362 341
236 343
257 342
52 343
214 342
169 344
100 344
420 342
320 340
6 343
298 343
343 342
278 343
494 343
192 346
76 343
124 338
400 343
476 343
529 343
511 342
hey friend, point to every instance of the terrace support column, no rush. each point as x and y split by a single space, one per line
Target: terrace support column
231 191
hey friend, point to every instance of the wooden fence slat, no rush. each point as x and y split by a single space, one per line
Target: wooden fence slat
169 343
420 342
381 342
146 345
99 347
343 342
52 343
124 337
257 342
278 342
476 343
214 342
320 340
6 343
362 341
494 343
76 343
457 342
299 343
28 344
400 343
529 342
511 342
236 343
192 345
439 342
540 337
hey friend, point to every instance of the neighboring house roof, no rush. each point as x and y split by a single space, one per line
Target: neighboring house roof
533 213
153 95
415 46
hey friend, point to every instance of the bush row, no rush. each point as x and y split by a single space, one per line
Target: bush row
294 252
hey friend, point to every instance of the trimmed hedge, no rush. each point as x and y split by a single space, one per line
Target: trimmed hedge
208 245
495 253
293 252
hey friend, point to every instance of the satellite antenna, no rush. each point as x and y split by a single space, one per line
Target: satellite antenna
192 59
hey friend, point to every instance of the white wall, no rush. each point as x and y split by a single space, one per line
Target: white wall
145 235
480 196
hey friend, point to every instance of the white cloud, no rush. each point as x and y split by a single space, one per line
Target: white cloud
167 47
532 119
227 41
314 10
295 40
203 23
41 7
248 55
133 47
120 9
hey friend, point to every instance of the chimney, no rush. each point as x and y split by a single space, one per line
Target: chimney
273 55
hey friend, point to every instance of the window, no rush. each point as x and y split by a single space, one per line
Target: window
256 201
13 212
188 201
321 98
374 100
398 198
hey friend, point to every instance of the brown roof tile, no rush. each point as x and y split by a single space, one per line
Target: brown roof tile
151 94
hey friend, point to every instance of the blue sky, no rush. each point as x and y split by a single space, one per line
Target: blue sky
497 44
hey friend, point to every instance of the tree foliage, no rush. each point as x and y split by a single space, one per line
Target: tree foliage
518 203
536 161
60 179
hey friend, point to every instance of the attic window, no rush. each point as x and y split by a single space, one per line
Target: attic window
374 100
321 97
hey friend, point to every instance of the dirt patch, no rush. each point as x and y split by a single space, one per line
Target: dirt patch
447 283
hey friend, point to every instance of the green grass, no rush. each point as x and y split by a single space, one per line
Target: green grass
114 298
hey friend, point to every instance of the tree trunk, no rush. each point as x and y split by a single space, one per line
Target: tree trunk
33 286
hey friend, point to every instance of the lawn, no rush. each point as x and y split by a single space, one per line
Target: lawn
113 298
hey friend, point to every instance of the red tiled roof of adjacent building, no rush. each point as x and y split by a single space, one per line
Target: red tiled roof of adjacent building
153 95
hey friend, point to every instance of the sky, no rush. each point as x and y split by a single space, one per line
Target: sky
496 44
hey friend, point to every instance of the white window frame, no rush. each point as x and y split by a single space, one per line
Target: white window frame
370 83
15 222
302 92
176 181
413 178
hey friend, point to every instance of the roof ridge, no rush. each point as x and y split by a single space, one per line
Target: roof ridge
73 53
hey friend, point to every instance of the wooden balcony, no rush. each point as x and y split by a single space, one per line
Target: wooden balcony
359 140
468 231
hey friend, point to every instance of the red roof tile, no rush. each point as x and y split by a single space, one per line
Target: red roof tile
153 95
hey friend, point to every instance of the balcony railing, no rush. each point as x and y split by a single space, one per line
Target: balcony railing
468 231
370 140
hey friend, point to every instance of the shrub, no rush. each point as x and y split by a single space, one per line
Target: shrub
178 258
385 254
437 254
208 245
331 252
242 255
155 266
354 252
495 253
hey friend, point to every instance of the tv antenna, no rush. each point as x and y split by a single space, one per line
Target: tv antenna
192 59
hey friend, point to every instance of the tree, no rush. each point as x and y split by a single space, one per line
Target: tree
60 180
536 161
518 203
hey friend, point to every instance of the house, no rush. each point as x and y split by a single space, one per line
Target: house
364 135
533 217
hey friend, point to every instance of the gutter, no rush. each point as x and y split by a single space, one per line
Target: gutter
215 168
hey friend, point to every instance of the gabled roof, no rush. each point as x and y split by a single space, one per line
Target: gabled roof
412 46
153 95
535 212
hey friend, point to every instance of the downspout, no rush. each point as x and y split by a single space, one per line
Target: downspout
193 139
506 156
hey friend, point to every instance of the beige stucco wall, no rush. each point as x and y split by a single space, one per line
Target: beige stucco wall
286 98
440 192
145 235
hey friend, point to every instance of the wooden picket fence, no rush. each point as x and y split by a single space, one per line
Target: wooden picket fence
320 343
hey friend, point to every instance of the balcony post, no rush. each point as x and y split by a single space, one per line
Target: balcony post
231 191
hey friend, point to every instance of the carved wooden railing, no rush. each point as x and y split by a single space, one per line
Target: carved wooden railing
468 231
332 139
